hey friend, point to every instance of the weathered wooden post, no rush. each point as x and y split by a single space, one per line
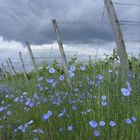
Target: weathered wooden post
23 67
12 66
10 71
33 59
139 57
60 44
8 66
4 71
1 74
117 34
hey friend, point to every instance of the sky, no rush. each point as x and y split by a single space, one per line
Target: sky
82 24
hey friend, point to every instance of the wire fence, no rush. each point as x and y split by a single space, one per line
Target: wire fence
52 53
48 61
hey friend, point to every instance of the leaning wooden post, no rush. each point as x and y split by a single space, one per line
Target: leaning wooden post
13 69
0 73
32 58
60 44
4 71
139 57
10 71
118 35
8 65
23 67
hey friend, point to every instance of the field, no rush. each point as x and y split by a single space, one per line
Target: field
101 104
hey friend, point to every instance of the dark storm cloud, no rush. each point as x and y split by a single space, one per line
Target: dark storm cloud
30 20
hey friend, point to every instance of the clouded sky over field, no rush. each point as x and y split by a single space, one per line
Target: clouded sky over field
80 22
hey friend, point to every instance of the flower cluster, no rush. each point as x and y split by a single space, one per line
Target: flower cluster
126 91
56 107
46 116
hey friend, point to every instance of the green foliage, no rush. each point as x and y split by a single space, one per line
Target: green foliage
112 58
88 87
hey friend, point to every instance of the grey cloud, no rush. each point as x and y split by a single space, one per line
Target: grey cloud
79 21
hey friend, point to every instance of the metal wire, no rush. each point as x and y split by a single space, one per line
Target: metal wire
128 24
127 4
130 21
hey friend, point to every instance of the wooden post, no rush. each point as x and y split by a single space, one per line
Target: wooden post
32 58
89 60
1 77
1 70
10 71
50 54
4 71
23 67
60 44
117 34
8 66
13 69
96 55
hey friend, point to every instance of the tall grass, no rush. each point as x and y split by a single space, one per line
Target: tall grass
100 105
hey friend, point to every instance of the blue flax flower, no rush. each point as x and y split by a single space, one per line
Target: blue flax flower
16 99
21 100
72 68
82 68
28 102
39 86
110 71
102 123
50 113
2 102
74 107
31 104
61 114
51 70
2 109
40 131
51 80
104 103
61 77
104 97
133 118
46 116
71 74
112 123
70 128
8 113
99 77
89 110
93 124
36 96
125 92
128 121
96 133
128 86
40 78
91 82
23 127
1 126
84 113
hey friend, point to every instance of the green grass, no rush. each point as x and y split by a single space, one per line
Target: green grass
86 95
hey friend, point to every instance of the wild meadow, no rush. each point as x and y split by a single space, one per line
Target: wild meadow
100 104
